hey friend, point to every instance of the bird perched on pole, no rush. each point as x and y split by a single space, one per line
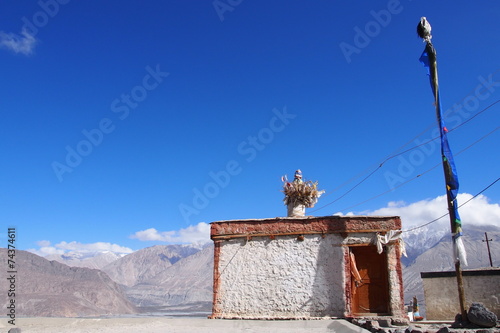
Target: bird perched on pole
424 29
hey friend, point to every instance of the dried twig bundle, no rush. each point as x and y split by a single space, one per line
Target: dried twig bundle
301 193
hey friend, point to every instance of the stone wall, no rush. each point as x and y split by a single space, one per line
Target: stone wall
441 292
396 290
295 268
281 278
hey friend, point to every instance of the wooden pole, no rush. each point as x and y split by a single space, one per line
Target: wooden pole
431 53
488 246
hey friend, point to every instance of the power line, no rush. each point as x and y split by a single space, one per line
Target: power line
474 116
394 154
398 154
449 131
419 175
463 204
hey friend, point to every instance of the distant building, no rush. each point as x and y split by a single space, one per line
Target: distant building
441 291
307 267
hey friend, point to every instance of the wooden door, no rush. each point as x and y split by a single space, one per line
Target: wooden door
372 294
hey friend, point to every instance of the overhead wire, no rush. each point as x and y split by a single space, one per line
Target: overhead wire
463 204
394 154
380 164
398 154
421 174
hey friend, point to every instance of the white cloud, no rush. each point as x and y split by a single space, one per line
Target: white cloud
24 43
65 247
93 247
43 243
478 211
46 250
199 233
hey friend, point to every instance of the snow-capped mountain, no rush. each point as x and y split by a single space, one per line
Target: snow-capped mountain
422 239
437 257
170 275
187 282
95 260
144 264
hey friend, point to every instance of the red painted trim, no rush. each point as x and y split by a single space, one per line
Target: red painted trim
321 225
348 283
399 270
215 304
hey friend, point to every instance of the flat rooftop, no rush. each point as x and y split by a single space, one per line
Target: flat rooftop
303 225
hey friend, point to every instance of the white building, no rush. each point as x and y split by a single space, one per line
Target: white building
307 267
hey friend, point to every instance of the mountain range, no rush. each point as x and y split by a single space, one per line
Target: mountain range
48 288
95 260
143 265
430 249
188 282
179 277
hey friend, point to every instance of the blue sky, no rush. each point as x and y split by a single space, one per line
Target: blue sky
128 123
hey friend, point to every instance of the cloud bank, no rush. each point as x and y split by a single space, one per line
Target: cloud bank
199 233
478 211
64 247
195 234
24 43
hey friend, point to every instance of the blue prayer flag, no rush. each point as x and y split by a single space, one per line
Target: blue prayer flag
427 58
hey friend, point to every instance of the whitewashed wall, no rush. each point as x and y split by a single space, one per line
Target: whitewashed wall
441 294
282 277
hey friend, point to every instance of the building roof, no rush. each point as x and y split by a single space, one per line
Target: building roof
303 225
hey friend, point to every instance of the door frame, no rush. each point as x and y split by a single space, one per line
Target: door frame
353 296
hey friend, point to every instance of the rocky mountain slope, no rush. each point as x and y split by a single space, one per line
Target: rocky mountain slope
188 281
163 277
49 288
145 264
438 256
420 240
